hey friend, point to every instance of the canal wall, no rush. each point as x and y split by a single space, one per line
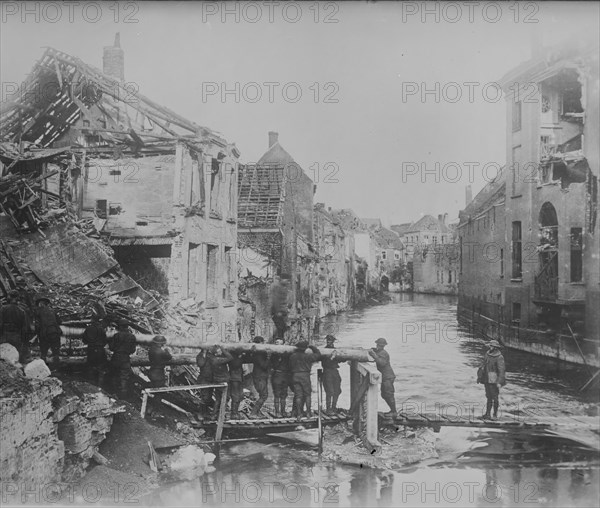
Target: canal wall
581 351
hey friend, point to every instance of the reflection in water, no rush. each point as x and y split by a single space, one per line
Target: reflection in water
435 361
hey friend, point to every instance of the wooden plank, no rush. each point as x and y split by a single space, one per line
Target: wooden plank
222 409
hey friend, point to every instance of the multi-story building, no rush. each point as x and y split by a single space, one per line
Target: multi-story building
551 259
483 256
427 230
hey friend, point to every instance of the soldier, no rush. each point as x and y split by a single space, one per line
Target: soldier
493 376
300 364
382 360
95 338
159 358
204 378
260 376
218 359
280 380
13 323
332 382
48 329
122 344
236 377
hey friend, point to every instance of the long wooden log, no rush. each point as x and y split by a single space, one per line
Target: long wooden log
342 354
136 361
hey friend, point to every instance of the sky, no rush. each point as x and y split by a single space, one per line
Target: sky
391 108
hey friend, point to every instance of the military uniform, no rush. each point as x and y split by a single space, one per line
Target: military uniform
382 360
260 378
48 329
12 325
122 344
159 358
205 377
95 338
300 366
220 374
236 378
280 381
332 382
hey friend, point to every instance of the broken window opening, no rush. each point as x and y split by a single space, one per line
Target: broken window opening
516 313
101 208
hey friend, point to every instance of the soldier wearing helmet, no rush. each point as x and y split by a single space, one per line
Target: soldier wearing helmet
492 376
332 382
382 360
95 338
159 357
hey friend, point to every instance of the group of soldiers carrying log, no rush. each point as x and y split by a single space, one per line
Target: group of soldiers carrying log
287 371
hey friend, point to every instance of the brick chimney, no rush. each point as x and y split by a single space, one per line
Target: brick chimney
468 195
113 61
273 138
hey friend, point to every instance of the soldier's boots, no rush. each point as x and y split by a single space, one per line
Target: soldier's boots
282 408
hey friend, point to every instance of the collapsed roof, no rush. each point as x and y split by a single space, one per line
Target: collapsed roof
62 89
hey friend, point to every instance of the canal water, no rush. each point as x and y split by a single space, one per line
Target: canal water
435 361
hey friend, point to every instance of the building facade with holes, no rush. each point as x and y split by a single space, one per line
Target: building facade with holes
160 188
551 260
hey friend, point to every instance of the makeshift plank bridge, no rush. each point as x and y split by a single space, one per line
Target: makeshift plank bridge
275 425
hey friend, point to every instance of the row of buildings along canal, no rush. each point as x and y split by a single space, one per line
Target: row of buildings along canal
249 246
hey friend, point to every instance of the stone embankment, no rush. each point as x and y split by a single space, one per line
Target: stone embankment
49 430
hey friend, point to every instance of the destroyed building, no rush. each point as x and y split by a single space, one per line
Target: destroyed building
336 285
275 239
548 259
158 188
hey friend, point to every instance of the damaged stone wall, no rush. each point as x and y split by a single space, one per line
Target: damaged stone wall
49 430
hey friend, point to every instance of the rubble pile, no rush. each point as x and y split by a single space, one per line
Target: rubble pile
402 446
50 430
